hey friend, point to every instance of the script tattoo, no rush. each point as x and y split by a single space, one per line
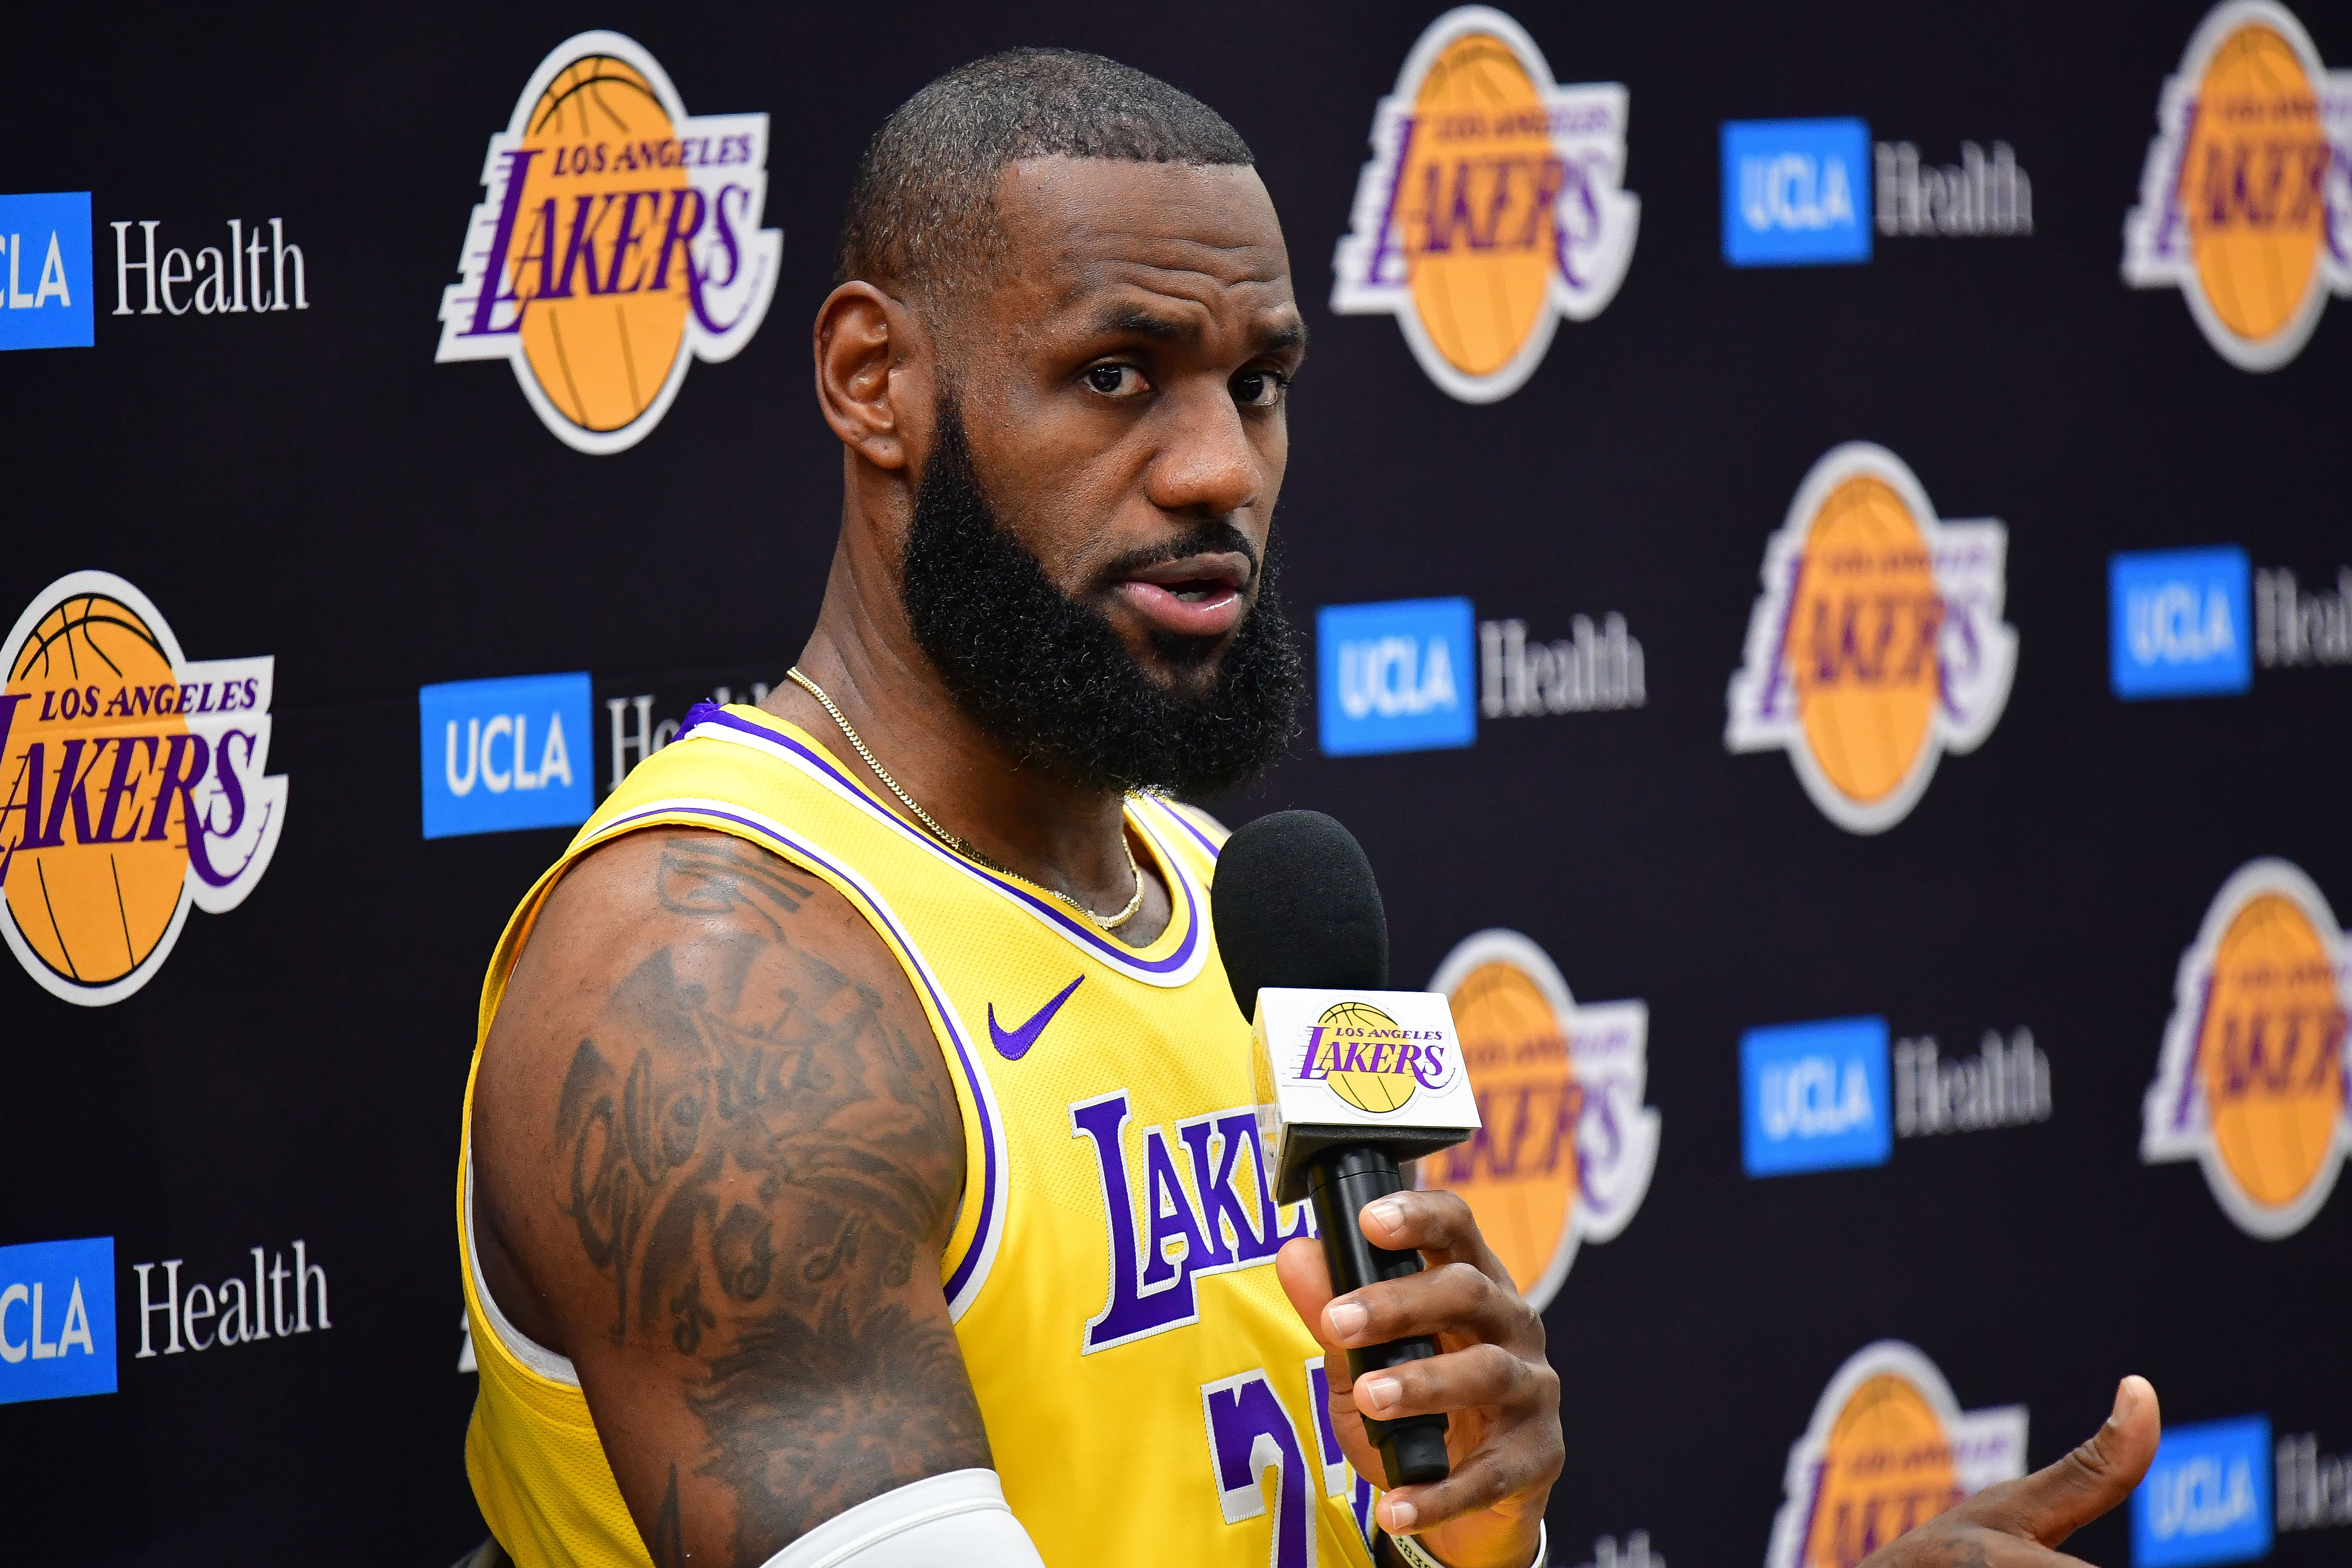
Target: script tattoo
755 1162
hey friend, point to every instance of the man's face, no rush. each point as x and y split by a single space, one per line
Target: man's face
1087 562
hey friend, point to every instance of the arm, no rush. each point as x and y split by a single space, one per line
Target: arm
718 1157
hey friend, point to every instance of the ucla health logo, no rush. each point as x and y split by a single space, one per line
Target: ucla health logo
133 783
1888 1447
2177 623
2251 1083
1813 1096
2244 200
1794 192
2206 1497
1394 677
1565 1144
47 303
1877 643
498 754
621 242
57 1320
1494 206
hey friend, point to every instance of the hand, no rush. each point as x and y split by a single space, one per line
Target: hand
2018 1524
1489 1376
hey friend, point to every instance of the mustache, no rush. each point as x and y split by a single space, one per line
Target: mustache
1213 537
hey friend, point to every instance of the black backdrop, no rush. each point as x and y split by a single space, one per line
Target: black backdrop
312 486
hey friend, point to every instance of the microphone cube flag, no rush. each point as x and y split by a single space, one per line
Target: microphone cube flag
1362 1067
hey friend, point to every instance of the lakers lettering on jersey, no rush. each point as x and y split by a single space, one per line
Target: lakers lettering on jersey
1150 1394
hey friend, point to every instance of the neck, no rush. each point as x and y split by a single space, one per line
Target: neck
1045 830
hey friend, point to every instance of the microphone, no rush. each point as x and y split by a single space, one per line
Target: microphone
1352 1077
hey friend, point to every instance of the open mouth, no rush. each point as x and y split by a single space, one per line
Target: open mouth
1199 595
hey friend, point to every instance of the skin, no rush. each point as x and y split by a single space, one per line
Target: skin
716 1154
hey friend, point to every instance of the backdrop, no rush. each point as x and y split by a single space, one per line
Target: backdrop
1823 524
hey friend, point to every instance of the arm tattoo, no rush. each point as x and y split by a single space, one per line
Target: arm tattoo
756 1184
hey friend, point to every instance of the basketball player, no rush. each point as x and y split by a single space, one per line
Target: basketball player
821 1200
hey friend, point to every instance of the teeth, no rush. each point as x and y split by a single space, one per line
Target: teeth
1192 595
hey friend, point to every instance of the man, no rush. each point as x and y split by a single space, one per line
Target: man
772 1255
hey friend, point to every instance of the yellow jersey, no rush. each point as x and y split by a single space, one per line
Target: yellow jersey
1150 1394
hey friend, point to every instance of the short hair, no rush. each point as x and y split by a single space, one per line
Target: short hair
922 209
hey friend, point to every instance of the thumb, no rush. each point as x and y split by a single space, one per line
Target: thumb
1306 1278
2052 1504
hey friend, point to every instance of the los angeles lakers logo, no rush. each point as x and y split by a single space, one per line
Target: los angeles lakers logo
1493 205
1877 643
1565 1146
1888 1448
621 241
2252 1081
1373 1062
132 785
2242 205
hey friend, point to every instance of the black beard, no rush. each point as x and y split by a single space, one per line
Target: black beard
1050 681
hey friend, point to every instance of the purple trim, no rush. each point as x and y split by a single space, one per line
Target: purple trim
1084 933
1185 822
962 1274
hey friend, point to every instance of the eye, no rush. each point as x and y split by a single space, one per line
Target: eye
1118 381
1258 388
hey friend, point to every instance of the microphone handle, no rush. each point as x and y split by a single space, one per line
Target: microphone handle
1341 1181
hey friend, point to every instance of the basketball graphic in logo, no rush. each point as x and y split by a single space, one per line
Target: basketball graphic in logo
1877 643
1365 1083
620 243
2240 192
1888 1448
132 785
1494 206
1565 1146
2251 1080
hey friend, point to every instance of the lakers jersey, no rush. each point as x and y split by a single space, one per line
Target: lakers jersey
1150 1394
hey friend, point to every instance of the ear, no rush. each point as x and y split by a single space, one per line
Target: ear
872 370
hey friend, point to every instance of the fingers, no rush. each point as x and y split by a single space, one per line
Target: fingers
1480 1375
2051 1504
1455 1301
1437 1223
1518 1461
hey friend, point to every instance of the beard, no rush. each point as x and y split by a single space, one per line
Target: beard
1048 678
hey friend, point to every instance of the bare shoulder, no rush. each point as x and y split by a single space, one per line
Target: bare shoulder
716 1142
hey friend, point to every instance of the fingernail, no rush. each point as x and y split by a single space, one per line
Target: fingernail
1402 1515
1348 1319
1380 1393
1388 1214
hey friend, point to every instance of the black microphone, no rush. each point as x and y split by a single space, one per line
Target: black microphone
1352 1077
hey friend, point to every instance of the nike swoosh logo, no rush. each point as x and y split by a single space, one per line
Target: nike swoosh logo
1013 1045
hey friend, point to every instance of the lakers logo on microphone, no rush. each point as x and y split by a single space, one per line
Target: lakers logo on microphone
1371 1062
2244 202
621 242
1888 1447
2251 1084
1565 1146
1493 205
133 783
1877 643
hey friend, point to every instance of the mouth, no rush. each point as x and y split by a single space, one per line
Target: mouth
1202 595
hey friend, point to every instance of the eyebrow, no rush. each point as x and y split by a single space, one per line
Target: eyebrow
1137 322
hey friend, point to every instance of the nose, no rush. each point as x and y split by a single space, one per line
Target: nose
1207 467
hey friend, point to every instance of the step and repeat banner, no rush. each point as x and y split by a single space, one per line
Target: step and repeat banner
1824 536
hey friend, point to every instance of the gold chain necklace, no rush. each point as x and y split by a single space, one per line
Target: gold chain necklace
962 846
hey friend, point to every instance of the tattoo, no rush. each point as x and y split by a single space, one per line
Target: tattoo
756 1185
668 1544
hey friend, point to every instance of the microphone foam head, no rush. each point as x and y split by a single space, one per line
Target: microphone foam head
1295 904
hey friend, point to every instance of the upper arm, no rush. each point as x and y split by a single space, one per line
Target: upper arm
714 1133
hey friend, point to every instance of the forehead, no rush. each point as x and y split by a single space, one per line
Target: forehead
1079 230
